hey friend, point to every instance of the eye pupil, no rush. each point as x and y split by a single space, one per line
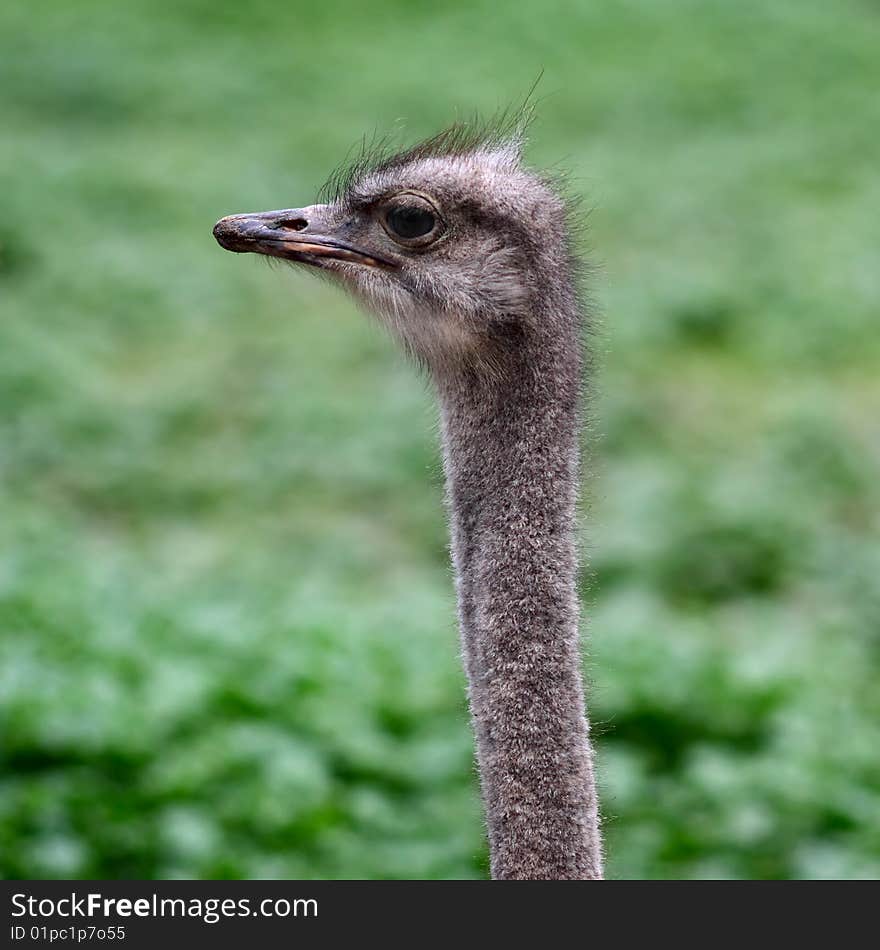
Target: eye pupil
410 222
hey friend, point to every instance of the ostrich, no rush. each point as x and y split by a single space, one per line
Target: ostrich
467 257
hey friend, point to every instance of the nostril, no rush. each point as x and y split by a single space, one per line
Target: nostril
292 224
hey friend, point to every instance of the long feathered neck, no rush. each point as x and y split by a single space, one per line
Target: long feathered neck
511 459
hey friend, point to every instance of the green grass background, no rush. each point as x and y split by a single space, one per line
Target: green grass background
227 632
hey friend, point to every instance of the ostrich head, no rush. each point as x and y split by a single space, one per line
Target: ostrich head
452 243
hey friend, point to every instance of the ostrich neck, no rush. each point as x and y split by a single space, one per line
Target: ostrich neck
511 461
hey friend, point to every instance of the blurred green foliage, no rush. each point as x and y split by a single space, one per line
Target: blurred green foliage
227 633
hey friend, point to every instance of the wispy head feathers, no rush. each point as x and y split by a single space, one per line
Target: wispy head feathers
502 135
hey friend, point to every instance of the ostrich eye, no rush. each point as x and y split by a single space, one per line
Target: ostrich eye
409 222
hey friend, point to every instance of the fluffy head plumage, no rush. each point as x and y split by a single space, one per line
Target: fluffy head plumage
484 282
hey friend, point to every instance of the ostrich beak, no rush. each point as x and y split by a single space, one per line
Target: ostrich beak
295 234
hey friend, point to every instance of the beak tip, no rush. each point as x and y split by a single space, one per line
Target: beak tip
224 233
